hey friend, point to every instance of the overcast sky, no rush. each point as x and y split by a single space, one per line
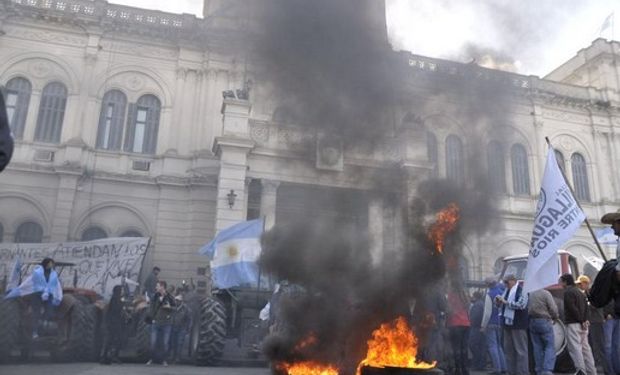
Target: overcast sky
535 36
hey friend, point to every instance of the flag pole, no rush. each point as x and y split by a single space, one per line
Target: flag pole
570 187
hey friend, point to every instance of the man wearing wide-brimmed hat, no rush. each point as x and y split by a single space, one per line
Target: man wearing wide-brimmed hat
613 219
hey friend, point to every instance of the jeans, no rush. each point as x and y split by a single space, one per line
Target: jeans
515 350
579 348
459 340
597 343
478 349
612 343
496 351
160 332
543 343
36 304
177 339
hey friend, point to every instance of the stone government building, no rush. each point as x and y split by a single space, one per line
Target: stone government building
121 130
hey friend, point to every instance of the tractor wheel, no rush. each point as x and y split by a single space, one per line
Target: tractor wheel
208 332
143 339
78 343
92 336
9 327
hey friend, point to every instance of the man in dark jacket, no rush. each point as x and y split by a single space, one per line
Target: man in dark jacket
6 140
477 341
181 323
577 324
161 313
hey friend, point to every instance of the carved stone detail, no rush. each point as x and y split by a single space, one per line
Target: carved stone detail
135 83
566 116
40 68
259 133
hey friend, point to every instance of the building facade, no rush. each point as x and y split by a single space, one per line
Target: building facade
121 129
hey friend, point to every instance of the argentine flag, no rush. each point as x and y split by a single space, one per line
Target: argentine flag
234 253
606 236
35 283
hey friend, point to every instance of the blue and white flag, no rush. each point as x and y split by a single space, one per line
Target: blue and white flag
234 253
558 216
51 289
606 236
16 275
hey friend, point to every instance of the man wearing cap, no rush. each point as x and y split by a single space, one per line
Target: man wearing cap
543 312
181 323
513 315
596 335
577 324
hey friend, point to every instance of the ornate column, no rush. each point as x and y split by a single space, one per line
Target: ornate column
232 148
61 220
268 202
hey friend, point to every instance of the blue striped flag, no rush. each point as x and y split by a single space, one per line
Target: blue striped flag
234 253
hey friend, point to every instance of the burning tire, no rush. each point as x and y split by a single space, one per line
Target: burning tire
208 332
9 327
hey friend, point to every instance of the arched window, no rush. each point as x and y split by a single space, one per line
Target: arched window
111 120
497 167
51 113
93 233
454 159
580 177
29 232
560 159
143 125
520 170
17 99
131 233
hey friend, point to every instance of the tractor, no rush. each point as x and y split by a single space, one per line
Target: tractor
71 334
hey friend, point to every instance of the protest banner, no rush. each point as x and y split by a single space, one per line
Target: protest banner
98 265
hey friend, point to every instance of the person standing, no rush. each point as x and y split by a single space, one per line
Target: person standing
114 324
576 319
161 313
491 326
181 323
477 341
458 327
543 312
596 331
611 328
513 317
151 282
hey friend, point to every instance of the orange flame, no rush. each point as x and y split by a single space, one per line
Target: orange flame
393 345
308 368
445 223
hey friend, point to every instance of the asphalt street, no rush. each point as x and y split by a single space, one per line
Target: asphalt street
124 369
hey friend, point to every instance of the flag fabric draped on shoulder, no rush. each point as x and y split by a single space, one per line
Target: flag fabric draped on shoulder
558 216
35 283
234 253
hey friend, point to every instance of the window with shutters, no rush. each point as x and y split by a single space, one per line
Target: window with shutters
580 177
454 159
93 233
51 113
29 232
111 120
520 170
143 125
560 159
255 190
17 99
496 167
431 151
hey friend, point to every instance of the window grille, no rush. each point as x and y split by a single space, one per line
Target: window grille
454 159
51 113
29 232
143 125
520 170
17 99
580 177
93 233
111 120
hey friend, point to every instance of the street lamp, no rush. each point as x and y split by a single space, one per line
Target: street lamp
231 198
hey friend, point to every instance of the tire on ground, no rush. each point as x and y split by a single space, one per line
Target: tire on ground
142 338
209 332
9 327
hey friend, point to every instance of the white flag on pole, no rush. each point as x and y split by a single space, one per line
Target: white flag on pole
558 216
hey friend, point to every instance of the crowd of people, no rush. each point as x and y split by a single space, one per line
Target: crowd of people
496 330
168 316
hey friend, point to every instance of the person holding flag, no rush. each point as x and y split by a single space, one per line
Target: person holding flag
234 254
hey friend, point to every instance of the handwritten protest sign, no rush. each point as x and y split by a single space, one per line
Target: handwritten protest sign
98 265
